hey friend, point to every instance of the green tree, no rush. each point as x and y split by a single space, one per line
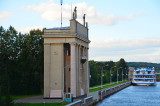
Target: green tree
109 65
21 62
6 53
94 73
122 67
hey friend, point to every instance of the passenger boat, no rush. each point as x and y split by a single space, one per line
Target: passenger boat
144 76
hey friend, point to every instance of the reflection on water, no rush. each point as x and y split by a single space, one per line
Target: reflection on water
134 96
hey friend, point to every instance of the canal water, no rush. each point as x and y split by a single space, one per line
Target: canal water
134 96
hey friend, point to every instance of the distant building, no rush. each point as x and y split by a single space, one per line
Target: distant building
66 60
130 73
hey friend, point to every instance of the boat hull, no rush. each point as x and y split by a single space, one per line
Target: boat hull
144 84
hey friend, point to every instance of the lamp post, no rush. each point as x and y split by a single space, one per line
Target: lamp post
102 75
122 75
126 74
89 80
89 76
111 75
102 78
118 74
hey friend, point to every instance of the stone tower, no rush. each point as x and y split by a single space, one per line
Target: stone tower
66 60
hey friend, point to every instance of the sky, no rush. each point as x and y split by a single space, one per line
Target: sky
128 29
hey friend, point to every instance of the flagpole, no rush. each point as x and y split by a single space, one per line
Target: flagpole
71 10
61 13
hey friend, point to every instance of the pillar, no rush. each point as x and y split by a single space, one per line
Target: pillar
47 63
80 71
84 72
88 76
73 69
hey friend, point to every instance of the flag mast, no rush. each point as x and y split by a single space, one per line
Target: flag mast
61 12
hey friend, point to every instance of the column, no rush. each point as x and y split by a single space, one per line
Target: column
80 71
47 63
88 73
73 69
84 72
85 86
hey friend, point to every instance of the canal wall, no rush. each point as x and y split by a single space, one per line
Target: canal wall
94 97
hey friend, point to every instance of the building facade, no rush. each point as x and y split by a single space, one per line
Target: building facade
130 73
66 68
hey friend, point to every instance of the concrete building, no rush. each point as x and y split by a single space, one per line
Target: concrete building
130 73
66 60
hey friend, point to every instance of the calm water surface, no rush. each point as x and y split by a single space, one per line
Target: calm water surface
134 96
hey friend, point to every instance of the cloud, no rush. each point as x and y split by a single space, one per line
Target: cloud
27 29
130 58
139 50
125 44
51 11
4 15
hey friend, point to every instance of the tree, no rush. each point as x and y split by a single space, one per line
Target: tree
96 67
21 62
94 73
107 67
122 66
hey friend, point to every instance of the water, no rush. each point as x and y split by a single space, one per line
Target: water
134 96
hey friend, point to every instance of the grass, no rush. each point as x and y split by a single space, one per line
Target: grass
100 85
14 97
38 104
22 96
34 104
107 85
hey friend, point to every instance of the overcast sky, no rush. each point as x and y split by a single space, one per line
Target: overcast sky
128 29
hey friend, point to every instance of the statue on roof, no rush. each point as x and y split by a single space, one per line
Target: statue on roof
84 16
75 13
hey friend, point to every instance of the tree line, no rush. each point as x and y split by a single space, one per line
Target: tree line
105 69
144 64
21 63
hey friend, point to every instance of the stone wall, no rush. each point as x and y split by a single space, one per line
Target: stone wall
82 31
94 97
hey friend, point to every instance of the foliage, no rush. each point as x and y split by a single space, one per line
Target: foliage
107 85
144 64
21 62
122 68
108 67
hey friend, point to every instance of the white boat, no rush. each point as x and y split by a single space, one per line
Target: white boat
144 76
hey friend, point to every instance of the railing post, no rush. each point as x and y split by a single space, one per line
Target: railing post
100 94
